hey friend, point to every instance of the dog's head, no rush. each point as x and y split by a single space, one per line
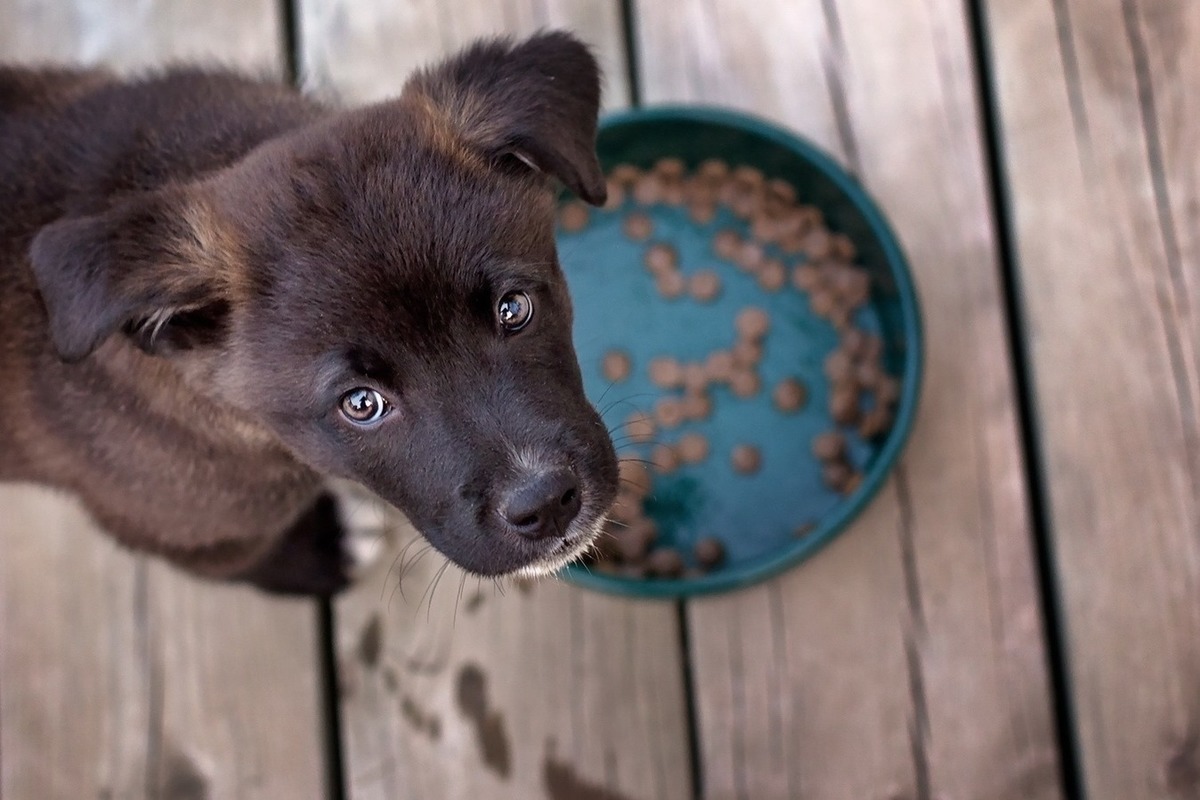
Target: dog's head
381 290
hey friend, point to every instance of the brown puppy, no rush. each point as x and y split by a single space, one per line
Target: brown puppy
215 293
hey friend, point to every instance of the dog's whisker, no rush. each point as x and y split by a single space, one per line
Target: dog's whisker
461 585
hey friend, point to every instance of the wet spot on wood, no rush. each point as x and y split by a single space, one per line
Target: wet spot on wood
473 603
562 782
1182 770
370 642
424 721
181 777
489 725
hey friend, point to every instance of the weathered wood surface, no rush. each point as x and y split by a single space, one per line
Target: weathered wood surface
907 659
120 678
575 691
1099 109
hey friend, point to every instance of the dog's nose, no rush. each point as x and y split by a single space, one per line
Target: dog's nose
543 506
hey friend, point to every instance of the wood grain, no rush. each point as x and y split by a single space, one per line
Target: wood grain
582 692
907 659
1099 114
119 677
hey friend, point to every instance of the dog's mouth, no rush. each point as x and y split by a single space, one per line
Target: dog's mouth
578 541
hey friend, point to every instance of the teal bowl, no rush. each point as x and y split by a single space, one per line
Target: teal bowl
775 518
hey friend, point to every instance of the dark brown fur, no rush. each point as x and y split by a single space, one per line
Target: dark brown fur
195 266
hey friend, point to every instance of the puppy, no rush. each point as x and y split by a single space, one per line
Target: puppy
215 294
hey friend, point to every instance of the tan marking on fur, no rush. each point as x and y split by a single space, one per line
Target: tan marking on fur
445 127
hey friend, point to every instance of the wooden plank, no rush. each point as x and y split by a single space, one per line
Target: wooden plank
119 677
583 692
1098 110
907 659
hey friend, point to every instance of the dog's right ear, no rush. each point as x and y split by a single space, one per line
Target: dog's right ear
535 101
135 266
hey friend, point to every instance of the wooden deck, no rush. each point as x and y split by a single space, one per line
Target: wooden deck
1016 616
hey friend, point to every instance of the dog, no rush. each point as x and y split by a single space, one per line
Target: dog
217 295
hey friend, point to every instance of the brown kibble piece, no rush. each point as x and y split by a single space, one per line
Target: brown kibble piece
665 458
772 275
749 256
671 284
806 278
669 412
842 248
625 174
648 190
858 288
817 244
745 383
697 407
836 474
695 379
616 195
712 169
752 323
639 426
665 562
635 477
719 366
702 212
887 391
637 226
670 167
705 285
804 529
693 448
868 374
634 542
843 404
709 552
727 244
852 483
574 216
822 302
616 366
749 176
781 191
627 507
746 354
746 459
854 342
660 258
829 446
838 366
674 193
666 373
789 395
875 422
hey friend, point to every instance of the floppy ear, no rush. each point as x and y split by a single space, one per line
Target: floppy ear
537 101
142 266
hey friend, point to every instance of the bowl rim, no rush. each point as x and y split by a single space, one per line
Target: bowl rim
837 520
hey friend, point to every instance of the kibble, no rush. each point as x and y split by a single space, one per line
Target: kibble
669 412
836 474
852 483
693 448
648 189
719 365
875 422
616 366
637 226
709 552
806 278
702 212
666 373
670 168
745 383
843 404
697 407
635 477
772 275
749 256
665 562
573 217
746 459
625 174
752 323
727 244
639 427
616 195
660 258
789 395
671 285
829 446
666 458
705 285
887 391
695 379
838 366
747 353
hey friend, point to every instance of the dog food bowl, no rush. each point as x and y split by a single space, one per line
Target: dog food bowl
782 509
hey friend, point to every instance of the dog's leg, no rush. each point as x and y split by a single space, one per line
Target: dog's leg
328 548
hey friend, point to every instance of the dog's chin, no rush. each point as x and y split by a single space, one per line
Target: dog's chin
581 543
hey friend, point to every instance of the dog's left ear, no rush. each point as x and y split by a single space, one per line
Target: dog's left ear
151 266
536 101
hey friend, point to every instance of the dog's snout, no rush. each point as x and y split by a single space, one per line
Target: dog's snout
544 505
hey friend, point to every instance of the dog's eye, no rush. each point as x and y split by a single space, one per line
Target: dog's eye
515 310
364 406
